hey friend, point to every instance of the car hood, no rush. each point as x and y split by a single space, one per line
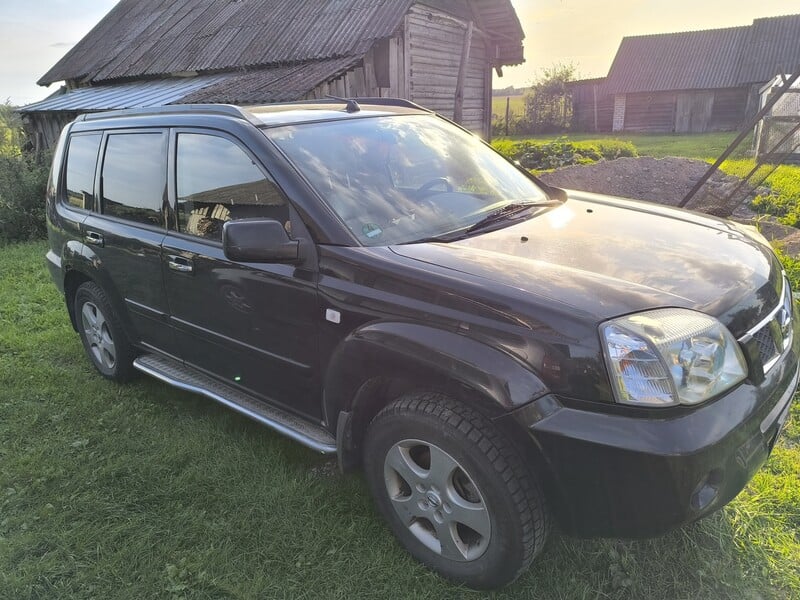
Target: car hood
605 257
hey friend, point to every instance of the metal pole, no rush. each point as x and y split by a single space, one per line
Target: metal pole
740 138
508 113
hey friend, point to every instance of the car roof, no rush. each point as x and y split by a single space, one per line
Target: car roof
274 115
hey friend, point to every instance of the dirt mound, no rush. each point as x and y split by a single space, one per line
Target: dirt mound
662 180
667 181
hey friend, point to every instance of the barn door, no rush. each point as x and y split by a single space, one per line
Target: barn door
693 113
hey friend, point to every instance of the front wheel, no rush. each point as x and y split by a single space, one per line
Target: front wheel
102 334
454 491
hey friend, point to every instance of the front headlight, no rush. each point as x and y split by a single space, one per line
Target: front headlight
670 356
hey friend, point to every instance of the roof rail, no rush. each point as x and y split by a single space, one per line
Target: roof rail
393 102
401 102
205 109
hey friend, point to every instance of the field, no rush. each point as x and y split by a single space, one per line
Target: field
517 105
141 491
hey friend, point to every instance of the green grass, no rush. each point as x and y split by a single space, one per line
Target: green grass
702 146
517 105
142 491
783 201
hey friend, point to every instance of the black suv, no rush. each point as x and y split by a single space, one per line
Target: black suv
374 282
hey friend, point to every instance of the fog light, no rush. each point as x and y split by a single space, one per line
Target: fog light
706 491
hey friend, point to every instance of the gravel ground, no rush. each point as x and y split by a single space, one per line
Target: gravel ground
667 181
664 180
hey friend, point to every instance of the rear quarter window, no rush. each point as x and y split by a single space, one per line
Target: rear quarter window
81 164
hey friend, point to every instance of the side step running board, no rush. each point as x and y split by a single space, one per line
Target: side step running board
192 380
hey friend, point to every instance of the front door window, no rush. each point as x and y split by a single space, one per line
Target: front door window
218 182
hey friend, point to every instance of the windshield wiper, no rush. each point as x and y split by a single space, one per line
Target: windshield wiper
507 213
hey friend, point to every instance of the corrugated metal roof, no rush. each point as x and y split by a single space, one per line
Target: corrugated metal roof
274 84
158 37
693 60
712 59
140 94
261 86
773 47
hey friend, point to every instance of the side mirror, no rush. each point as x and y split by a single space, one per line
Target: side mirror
258 241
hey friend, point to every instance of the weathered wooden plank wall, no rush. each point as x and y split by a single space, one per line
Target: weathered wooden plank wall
650 112
591 110
433 44
44 129
729 112
360 82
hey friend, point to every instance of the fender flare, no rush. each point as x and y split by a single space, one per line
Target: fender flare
426 354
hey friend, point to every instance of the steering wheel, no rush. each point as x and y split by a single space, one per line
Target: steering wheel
429 185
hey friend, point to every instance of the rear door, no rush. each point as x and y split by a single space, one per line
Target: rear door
251 325
127 236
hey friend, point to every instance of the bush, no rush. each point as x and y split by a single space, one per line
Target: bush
22 183
517 125
541 156
22 189
613 149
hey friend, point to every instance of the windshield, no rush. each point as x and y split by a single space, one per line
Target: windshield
396 180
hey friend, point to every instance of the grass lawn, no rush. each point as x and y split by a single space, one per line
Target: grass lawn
703 146
142 491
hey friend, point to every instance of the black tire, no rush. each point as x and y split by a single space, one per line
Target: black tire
483 473
101 332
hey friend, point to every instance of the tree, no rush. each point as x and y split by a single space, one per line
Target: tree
549 104
23 180
11 134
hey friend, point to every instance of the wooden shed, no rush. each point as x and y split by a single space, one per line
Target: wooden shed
688 82
438 53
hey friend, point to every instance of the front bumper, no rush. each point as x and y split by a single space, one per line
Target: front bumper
628 475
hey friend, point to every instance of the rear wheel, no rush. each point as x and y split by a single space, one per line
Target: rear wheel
454 491
102 334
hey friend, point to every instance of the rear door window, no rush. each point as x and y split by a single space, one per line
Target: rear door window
81 164
135 177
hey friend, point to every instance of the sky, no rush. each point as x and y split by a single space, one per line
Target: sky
35 34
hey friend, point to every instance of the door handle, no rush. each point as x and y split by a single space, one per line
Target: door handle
93 238
180 264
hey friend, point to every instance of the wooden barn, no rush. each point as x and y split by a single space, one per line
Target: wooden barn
689 82
438 53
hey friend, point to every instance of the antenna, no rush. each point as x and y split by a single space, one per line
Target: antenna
352 105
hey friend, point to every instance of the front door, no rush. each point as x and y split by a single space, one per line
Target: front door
252 326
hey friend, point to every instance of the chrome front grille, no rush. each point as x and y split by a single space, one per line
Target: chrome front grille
774 334
767 344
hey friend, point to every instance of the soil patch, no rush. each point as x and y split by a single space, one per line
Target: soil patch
662 180
667 181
